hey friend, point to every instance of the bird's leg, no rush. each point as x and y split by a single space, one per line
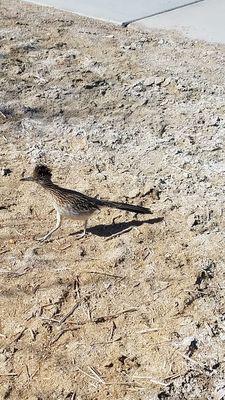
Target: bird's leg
81 235
58 224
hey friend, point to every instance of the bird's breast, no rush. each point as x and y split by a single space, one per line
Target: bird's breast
68 211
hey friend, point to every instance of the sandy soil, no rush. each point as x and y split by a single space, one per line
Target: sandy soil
128 116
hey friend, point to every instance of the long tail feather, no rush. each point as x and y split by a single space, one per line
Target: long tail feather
124 206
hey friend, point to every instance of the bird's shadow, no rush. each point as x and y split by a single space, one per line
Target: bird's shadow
117 228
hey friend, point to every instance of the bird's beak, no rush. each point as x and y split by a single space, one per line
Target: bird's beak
28 178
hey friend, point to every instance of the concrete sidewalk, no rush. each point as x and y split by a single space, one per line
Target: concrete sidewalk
203 19
116 11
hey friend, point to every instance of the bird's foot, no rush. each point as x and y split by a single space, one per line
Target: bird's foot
43 239
80 235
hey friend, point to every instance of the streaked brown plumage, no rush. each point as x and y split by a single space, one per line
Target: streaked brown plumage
71 204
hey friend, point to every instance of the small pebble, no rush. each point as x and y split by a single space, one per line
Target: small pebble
133 193
6 171
159 80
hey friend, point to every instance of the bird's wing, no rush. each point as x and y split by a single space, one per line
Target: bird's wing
80 201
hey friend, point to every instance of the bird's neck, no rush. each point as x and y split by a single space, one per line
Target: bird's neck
49 185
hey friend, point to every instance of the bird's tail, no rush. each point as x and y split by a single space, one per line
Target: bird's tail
124 206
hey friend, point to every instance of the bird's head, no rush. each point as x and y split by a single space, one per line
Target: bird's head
41 174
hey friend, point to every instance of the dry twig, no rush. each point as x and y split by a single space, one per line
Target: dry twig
198 363
120 233
110 317
164 288
69 313
76 287
104 273
112 330
3 116
96 374
19 335
62 333
85 373
152 380
148 331
28 372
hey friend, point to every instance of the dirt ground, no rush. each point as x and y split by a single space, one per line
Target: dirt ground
124 115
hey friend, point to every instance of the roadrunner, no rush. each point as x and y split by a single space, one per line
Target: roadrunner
71 204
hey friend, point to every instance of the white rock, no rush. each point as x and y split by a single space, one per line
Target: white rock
133 193
149 81
159 80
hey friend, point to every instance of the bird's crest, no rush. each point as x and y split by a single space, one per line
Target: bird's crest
42 172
